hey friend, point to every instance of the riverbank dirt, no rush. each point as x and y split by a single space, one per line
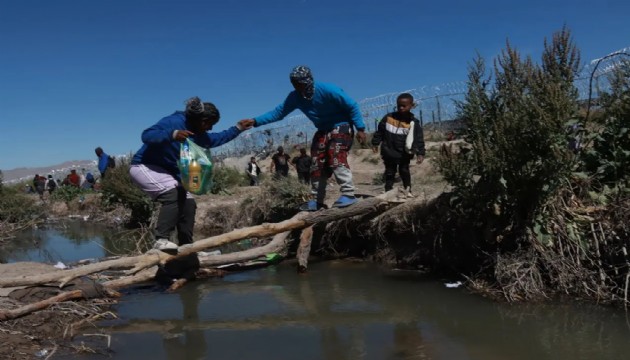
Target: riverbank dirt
39 334
42 334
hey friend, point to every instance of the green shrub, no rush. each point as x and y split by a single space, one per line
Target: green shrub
515 127
118 188
17 207
225 178
607 154
68 193
278 199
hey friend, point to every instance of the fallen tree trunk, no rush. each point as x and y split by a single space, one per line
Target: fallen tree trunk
277 244
27 309
142 276
153 258
299 221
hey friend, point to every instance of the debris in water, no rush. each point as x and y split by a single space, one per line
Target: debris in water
453 285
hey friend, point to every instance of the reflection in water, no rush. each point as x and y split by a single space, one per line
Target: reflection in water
408 343
183 342
352 311
336 311
66 242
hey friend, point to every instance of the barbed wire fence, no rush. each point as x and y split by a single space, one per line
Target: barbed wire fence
437 108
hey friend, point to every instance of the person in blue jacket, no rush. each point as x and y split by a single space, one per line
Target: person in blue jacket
336 116
103 161
154 167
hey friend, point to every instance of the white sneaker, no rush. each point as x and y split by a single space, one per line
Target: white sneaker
408 191
163 244
402 194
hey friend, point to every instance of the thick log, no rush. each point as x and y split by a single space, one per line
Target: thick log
297 222
27 309
276 245
142 276
153 258
65 276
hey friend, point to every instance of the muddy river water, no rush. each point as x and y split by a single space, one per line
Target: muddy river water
338 310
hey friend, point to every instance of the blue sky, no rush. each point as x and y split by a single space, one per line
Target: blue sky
79 74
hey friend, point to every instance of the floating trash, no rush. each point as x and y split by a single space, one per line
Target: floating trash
453 285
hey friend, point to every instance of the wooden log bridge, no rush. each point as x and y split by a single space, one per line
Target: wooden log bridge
143 267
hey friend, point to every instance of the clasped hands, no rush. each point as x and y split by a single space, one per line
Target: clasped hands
182 135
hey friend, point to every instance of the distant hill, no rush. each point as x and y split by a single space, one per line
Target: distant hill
58 171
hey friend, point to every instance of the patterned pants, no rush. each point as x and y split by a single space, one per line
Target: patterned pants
329 151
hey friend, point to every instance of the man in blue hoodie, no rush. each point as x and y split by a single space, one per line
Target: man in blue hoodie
335 115
154 167
103 161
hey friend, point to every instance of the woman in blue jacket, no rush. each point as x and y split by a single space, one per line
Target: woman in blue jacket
154 167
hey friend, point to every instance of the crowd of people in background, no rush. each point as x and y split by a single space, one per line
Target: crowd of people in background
280 164
43 185
46 185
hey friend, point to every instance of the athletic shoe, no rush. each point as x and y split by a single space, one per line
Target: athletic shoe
344 201
409 193
312 205
402 194
163 244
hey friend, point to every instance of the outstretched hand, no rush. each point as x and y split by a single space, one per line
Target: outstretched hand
246 124
182 135
361 137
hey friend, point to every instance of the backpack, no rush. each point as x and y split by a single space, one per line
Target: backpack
89 178
111 162
51 184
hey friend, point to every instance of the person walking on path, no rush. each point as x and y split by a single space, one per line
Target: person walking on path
253 171
104 161
74 179
336 116
303 164
401 137
51 185
40 185
280 162
154 166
